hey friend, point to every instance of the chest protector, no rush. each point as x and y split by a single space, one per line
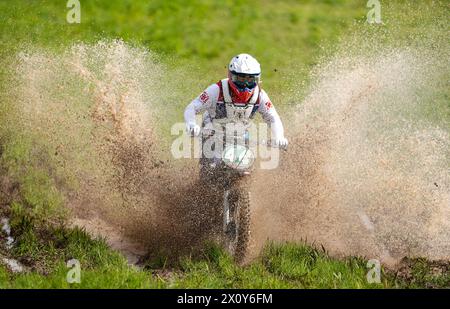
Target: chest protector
233 110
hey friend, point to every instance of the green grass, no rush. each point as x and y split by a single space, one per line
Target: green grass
280 266
288 38
45 253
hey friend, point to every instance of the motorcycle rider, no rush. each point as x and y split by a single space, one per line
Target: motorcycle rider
242 87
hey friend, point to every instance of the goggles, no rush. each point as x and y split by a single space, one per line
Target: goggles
243 81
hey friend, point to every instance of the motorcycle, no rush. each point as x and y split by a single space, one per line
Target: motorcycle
228 174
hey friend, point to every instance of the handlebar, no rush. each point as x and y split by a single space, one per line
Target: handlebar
231 139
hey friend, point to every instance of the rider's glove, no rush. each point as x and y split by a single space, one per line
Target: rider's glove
281 142
193 129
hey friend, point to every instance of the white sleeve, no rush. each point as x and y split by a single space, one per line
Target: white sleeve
204 101
270 115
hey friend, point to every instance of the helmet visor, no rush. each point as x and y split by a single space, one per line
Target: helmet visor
243 81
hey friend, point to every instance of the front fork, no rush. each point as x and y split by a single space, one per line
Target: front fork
226 210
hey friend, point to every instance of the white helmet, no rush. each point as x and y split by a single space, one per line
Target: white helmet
244 73
244 64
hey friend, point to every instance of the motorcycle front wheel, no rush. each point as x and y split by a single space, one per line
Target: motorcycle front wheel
236 221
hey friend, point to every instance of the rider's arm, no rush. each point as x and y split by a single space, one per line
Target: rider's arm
204 101
270 116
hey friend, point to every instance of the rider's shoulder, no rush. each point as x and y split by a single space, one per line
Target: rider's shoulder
212 91
218 84
263 94
213 88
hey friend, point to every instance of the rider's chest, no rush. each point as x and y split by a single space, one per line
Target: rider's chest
235 111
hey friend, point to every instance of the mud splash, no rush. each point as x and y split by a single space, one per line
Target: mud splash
90 113
364 175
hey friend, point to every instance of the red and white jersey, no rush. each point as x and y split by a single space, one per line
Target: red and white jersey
210 101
